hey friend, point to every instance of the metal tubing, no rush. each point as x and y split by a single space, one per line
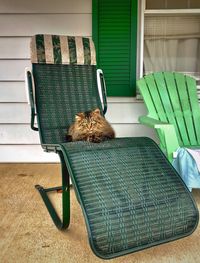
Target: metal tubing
64 223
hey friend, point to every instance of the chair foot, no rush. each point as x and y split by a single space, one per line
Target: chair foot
39 187
57 188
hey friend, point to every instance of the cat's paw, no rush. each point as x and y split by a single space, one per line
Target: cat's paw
95 139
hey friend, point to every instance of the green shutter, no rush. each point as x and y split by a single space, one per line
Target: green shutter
114 27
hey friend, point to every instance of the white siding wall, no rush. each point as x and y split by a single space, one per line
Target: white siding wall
18 21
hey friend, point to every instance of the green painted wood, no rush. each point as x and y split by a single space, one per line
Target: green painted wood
175 100
114 31
175 96
183 89
156 97
192 92
166 102
147 98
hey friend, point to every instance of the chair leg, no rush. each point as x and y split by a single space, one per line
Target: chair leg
64 223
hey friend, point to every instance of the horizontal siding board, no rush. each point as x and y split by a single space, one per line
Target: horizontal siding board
28 25
134 130
123 100
34 153
117 112
125 113
13 70
26 153
12 92
15 92
18 134
14 48
22 134
15 113
46 6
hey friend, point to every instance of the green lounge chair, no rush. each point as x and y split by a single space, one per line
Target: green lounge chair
173 110
130 195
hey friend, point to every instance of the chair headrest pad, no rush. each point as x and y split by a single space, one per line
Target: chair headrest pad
59 49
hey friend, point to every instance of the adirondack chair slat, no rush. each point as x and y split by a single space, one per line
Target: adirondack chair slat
161 85
156 97
186 106
192 91
167 104
174 97
147 97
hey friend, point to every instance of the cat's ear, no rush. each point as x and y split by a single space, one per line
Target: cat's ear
79 116
97 111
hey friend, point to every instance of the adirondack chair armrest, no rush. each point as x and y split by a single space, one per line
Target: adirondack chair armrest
153 123
166 132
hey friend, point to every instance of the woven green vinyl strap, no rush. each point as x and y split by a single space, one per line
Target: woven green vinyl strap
137 202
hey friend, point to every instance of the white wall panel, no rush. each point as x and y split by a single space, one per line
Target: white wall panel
125 112
28 25
15 113
15 47
22 133
134 130
12 92
46 6
15 92
13 70
117 113
18 134
26 153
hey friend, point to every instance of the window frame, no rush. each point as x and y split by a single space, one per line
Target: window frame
141 21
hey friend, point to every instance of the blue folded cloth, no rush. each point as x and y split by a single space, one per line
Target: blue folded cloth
186 166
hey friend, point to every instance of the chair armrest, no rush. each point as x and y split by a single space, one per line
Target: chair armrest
151 122
166 132
102 89
31 99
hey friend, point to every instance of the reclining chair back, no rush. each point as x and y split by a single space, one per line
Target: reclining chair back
64 73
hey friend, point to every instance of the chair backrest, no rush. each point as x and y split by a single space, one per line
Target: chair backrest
172 97
64 73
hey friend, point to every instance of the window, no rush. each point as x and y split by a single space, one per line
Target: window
171 36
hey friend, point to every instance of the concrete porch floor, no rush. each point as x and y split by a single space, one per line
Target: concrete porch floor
27 233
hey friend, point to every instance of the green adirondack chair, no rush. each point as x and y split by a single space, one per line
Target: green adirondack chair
130 195
173 109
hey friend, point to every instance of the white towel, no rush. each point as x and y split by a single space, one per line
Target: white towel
196 156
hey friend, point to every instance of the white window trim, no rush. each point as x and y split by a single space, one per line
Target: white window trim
171 11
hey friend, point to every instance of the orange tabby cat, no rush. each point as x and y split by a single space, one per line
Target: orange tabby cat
90 126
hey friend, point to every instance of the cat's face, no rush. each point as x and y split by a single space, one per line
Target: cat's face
88 120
